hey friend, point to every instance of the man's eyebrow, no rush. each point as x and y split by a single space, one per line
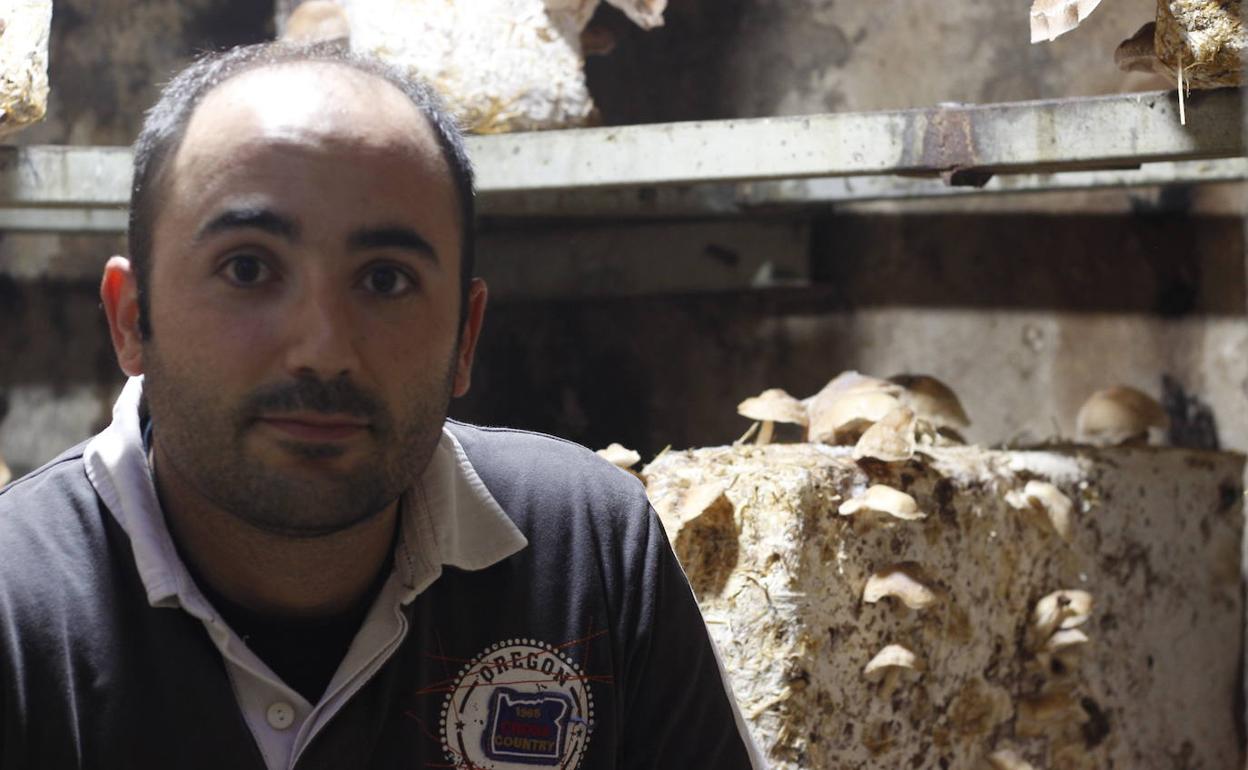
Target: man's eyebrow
391 237
250 217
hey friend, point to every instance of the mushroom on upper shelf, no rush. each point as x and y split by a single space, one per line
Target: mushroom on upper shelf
1051 18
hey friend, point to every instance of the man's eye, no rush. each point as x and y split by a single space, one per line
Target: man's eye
387 280
245 270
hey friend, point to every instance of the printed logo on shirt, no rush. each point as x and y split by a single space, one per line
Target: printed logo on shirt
519 704
526 728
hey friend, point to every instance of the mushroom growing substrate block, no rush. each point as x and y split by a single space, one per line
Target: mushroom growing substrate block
1067 607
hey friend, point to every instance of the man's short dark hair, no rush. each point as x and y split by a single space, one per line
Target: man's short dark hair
164 126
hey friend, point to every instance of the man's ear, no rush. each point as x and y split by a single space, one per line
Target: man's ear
478 294
119 293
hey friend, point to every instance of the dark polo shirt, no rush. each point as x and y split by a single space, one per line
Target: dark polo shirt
534 617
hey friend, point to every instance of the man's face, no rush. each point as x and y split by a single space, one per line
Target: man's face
304 292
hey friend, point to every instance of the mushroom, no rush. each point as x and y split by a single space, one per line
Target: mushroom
1119 415
891 439
932 400
1064 638
885 500
619 456
770 407
1007 759
889 664
5 474
1066 609
901 581
1050 18
690 504
701 525
848 405
1046 500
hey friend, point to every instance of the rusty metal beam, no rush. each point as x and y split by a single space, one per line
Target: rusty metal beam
962 142
734 166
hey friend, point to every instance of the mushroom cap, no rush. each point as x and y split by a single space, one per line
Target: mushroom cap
620 456
1007 759
891 439
931 400
901 582
1063 638
893 656
1118 414
774 405
838 416
869 406
1045 498
1051 18
880 498
686 507
1066 609
851 380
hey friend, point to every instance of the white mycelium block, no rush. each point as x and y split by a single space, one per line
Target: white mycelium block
1069 607
24 26
502 65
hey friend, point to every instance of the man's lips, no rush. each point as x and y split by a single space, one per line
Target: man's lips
316 427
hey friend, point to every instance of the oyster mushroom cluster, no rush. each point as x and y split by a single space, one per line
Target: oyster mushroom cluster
882 419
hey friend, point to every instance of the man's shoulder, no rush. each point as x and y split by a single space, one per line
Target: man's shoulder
524 464
48 515
61 476
537 452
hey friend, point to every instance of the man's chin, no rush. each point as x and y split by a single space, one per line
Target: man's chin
298 500
285 455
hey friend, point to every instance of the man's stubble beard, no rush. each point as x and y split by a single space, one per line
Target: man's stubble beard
205 440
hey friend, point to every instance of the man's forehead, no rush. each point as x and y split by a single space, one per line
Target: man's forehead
319 103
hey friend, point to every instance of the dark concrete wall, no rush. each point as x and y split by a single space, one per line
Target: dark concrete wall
1025 304
752 58
1024 314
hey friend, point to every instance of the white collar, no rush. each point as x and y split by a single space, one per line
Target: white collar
450 518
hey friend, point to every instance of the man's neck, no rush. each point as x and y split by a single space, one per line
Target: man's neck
271 573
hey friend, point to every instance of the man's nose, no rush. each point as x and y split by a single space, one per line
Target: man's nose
321 334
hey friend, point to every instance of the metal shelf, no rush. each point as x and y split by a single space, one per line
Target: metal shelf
740 166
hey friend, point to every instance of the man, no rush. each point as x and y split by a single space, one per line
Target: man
280 553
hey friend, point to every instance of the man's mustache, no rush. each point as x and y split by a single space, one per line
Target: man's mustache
311 394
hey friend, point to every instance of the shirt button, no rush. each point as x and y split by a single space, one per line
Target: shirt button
280 715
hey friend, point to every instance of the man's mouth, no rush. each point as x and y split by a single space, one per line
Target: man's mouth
315 427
